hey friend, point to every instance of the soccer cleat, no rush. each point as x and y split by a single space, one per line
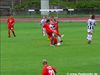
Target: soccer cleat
61 41
14 35
58 44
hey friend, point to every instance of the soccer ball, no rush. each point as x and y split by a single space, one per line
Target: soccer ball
58 44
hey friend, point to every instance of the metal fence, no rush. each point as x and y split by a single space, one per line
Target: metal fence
37 13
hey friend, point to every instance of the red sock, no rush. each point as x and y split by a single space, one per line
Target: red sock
13 33
8 33
55 41
51 41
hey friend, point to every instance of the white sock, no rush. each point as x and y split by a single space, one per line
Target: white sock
62 35
59 38
44 33
89 37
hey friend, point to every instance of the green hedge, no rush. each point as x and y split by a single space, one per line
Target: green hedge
62 3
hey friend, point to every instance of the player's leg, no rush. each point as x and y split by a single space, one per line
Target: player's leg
53 41
49 37
12 29
89 40
89 36
8 32
59 36
55 38
43 31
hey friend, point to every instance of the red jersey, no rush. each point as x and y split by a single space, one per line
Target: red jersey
48 70
52 21
56 27
10 22
48 30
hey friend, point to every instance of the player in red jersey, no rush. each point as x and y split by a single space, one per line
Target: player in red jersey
48 70
54 26
51 33
10 23
51 20
55 23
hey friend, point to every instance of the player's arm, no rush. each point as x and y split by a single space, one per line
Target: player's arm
44 72
88 22
13 22
7 21
55 70
42 21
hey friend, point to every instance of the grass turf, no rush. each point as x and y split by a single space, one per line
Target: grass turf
23 54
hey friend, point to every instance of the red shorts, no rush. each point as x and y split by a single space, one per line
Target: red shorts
49 34
10 27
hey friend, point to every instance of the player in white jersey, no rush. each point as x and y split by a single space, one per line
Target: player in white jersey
90 28
43 21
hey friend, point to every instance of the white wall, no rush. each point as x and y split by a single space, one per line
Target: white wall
44 5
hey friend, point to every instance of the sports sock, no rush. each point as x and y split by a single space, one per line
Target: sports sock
14 33
89 37
8 33
59 38
55 41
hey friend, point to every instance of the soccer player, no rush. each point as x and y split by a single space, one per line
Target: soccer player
47 69
43 21
52 20
90 28
54 26
10 23
51 33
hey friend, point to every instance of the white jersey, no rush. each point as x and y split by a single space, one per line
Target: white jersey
52 27
91 24
43 21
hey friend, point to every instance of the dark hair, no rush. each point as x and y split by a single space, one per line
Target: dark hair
44 62
47 21
92 16
55 20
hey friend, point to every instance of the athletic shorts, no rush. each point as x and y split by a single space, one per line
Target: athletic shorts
10 27
90 30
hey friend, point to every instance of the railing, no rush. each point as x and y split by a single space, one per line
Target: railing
64 13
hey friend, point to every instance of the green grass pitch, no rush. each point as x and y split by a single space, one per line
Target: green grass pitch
23 54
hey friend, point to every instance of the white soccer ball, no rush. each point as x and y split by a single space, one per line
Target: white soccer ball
58 44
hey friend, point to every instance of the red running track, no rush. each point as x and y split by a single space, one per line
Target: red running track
70 19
